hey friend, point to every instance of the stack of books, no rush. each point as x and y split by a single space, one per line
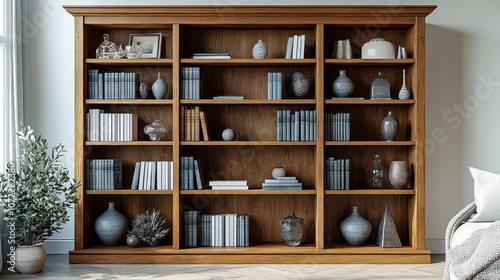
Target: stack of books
191 174
338 126
211 55
295 47
229 97
103 174
111 126
153 175
229 184
230 230
115 85
274 85
282 183
296 126
190 83
191 221
337 174
191 121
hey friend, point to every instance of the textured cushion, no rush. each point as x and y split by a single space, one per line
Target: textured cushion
486 195
464 231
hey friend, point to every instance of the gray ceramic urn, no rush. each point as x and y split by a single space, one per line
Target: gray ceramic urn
343 86
111 226
389 127
355 228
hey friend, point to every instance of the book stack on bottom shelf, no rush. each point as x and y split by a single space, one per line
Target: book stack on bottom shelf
229 185
282 183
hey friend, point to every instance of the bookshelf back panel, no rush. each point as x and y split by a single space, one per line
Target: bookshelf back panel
239 42
265 212
371 207
255 163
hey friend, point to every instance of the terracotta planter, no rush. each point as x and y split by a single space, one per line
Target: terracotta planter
30 259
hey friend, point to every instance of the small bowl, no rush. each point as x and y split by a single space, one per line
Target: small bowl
378 48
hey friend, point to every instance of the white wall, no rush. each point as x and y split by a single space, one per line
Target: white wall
462 107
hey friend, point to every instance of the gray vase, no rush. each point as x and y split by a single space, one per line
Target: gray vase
389 127
159 88
399 174
355 228
299 84
143 90
111 227
343 86
259 50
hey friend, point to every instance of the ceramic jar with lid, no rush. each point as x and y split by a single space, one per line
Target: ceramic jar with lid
292 229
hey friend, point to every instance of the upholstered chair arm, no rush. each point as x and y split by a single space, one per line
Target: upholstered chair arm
457 220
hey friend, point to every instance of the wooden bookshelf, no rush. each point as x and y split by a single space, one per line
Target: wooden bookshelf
256 151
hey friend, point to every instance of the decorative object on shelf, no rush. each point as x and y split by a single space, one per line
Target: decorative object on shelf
389 127
299 84
133 240
380 88
401 53
111 226
155 130
228 134
387 236
355 228
37 192
376 174
404 93
291 229
279 171
342 49
150 44
399 174
159 88
143 89
150 228
378 48
259 50
343 86
134 51
107 49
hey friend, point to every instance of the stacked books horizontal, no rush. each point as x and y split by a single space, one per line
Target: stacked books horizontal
111 126
116 85
211 55
229 97
337 174
153 175
282 183
191 175
274 85
191 121
228 184
190 83
103 174
296 126
295 47
338 126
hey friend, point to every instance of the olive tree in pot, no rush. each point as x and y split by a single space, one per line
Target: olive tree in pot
35 194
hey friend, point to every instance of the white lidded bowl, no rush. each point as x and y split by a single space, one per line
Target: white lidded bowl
378 48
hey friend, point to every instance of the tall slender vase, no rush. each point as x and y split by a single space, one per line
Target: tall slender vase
355 228
159 88
404 93
111 227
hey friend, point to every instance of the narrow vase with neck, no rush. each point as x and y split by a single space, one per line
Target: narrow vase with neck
404 93
159 88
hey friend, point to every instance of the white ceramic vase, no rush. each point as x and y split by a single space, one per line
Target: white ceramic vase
159 88
30 259
399 174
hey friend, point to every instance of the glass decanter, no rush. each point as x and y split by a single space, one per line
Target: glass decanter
155 130
376 174
107 49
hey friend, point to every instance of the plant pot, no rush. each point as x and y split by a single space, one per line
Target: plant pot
30 259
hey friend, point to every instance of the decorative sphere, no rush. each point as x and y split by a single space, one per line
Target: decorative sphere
279 172
133 241
228 134
299 84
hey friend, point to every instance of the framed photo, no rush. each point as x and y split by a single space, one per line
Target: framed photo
149 42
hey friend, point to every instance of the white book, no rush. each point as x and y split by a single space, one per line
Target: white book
142 175
171 176
159 175
299 46
275 85
228 183
229 97
153 174
289 47
302 46
135 179
295 46
229 188
94 123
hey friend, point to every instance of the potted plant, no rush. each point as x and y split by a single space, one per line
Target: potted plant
35 196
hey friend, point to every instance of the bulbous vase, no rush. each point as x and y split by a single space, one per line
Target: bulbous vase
355 228
111 227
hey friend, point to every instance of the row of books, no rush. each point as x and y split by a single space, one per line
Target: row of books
338 126
111 126
192 119
217 230
296 126
218 185
191 82
211 55
114 85
337 174
191 174
153 175
274 85
295 47
103 174
282 183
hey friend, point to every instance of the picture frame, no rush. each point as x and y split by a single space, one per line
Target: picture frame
149 42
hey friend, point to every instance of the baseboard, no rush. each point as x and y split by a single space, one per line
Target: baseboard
436 246
58 246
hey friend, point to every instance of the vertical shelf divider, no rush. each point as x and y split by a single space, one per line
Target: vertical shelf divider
176 203
320 143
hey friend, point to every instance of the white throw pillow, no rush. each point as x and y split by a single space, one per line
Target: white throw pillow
486 195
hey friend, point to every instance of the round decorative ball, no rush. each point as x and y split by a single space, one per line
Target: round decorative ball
228 134
133 241
299 84
279 172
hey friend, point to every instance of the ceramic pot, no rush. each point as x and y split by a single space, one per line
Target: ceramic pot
291 230
30 259
343 86
278 172
389 127
355 228
143 90
399 174
259 50
404 93
299 84
378 48
111 226
160 88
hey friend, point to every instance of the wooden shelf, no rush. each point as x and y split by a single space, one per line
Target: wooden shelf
128 192
369 102
371 192
129 102
248 143
129 143
369 143
130 62
250 192
271 62
250 102
370 62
